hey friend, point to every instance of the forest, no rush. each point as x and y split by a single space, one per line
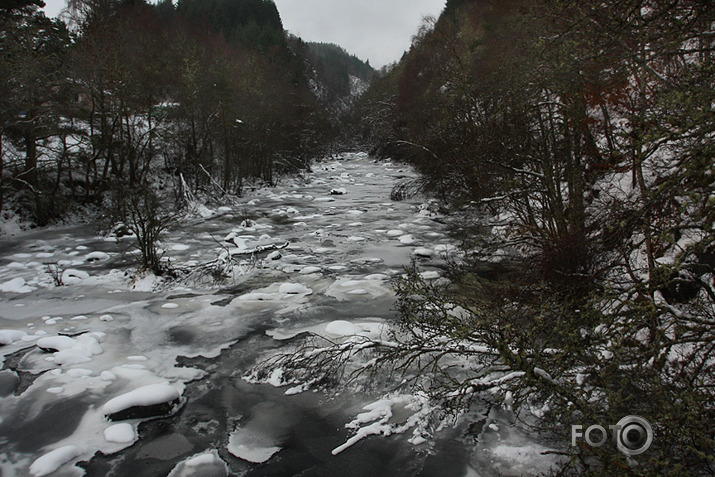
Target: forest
569 144
120 95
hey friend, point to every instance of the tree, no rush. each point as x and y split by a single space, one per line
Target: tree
33 50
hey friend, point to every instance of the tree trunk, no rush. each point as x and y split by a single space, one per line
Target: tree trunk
30 172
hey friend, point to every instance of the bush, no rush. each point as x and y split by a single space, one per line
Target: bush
141 210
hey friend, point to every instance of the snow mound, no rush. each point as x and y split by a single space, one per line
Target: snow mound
73 277
373 328
53 460
16 285
294 289
69 351
423 252
96 256
407 240
161 395
121 433
10 336
341 328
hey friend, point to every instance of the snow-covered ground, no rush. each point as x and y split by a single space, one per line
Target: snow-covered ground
87 364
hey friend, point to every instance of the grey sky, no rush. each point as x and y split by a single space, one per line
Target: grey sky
378 30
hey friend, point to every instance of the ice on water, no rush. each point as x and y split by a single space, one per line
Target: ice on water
345 243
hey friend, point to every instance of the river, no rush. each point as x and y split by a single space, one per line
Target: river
343 250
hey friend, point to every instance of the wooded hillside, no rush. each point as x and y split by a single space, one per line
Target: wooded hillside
206 94
575 139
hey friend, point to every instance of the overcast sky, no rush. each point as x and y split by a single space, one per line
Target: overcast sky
375 30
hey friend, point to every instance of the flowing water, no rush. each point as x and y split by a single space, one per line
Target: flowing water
343 250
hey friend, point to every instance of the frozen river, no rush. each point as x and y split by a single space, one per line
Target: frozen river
127 332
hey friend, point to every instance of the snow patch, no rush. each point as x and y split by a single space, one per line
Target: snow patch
53 460
378 419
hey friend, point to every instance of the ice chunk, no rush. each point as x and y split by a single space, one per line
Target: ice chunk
53 460
423 252
252 453
121 433
341 328
407 240
294 289
308 270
